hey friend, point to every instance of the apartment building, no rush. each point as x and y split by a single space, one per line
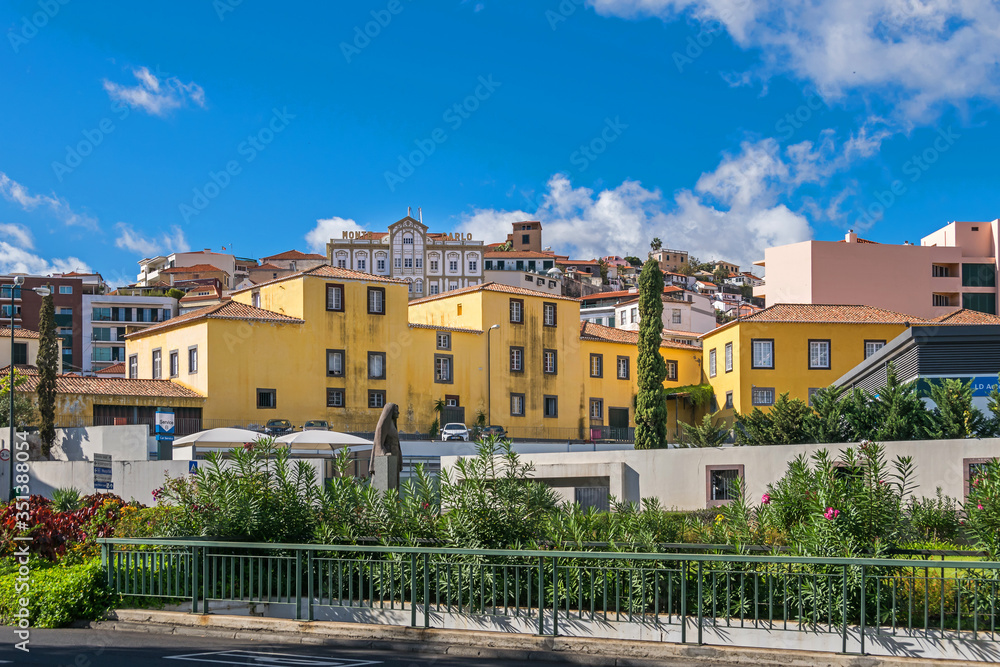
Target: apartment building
671 260
165 270
683 311
25 305
953 267
428 263
526 236
106 320
523 268
294 261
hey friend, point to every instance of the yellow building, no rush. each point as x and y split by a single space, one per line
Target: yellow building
793 348
334 344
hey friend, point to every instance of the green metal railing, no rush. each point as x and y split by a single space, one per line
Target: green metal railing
850 597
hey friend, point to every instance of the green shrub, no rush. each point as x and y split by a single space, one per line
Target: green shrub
935 519
982 509
66 500
58 594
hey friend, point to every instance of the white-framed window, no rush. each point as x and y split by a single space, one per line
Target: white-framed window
407 239
763 353
676 315
376 365
443 340
267 399
517 405
516 311
549 361
442 368
596 408
335 297
473 266
517 359
819 354
192 360
157 364
711 363
335 363
376 399
762 396
408 263
453 265
376 301
380 265
729 357
549 314
334 398
341 263
133 366
398 262
672 371
433 289
596 365
419 262
434 265
65 289
635 315
362 264
873 346
255 299
623 368
550 406
175 364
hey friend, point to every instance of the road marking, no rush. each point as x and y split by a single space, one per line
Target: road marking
265 659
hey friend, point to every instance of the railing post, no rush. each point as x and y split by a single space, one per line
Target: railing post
684 575
413 590
105 564
862 603
555 597
194 580
310 584
700 605
843 606
298 584
204 580
427 591
541 597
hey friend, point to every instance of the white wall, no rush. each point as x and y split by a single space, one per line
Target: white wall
678 477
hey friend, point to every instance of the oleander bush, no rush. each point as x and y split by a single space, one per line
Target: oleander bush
57 593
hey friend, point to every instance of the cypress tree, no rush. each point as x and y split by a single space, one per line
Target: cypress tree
650 404
48 364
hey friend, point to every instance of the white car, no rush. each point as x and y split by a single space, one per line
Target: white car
455 431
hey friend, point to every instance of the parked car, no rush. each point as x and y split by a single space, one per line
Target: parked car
278 427
454 431
498 431
316 425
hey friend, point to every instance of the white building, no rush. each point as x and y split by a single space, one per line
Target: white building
151 268
106 318
431 263
683 311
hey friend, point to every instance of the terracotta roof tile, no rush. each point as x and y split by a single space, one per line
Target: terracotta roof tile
522 254
810 313
96 386
19 333
327 271
268 267
227 310
492 287
597 332
413 325
960 316
294 254
197 268
113 369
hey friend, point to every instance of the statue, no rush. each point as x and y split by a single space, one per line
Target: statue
386 461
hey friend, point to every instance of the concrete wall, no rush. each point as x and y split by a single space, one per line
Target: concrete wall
123 443
678 478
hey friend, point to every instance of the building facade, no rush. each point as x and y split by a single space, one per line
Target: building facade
526 236
428 263
682 311
671 260
25 304
230 269
107 318
954 267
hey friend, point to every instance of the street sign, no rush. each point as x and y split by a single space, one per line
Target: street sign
164 434
102 472
192 467
4 455
164 422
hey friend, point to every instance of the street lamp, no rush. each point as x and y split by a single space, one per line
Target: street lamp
489 384
42 292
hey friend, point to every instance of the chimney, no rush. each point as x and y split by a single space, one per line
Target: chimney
409 212
420 215
851 237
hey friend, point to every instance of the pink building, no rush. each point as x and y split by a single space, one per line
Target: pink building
955 267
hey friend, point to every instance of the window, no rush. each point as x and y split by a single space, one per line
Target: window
596 365
596 408
939 271
676 315
517 311
380 265
971 469
157 364
729 357
434 265
443 340
133 366
517 405
762 396
516 359
335 363
635 315
984 303
873 346
450 401
525 239
453 265
376 301
549 314
549 361
408 263
723 484
192 360
711 363
334 398
102 334
672 370
20 354
65 289
99 315
763 353
551 407
376 399
729 400
255 299
335 297
812 392
419 262
623 368
527 279
362 265
62 311
376 365
175 364
473 266
940 300
407 239
267 399
979 275
819 354
341 263
442 368
397 262
433 288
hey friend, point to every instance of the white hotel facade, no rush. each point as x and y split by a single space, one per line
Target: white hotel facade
431 263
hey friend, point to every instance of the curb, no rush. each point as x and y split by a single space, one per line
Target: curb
487 645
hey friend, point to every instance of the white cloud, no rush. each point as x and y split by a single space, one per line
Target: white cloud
329 228
16 255
14 192
915 54
133 241
154 96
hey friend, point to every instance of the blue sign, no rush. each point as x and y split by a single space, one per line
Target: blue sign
165 437
192 467
164 421
106 486
982 386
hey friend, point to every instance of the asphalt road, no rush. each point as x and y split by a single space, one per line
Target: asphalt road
107 648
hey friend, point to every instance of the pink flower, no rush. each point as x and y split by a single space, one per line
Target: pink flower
247 445
830 514
766 499
979 507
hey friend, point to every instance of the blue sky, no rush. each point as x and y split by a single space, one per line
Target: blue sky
720 126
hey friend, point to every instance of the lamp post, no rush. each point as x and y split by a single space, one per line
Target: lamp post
489 384
42 292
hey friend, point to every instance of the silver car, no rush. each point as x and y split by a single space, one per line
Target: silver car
455 431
